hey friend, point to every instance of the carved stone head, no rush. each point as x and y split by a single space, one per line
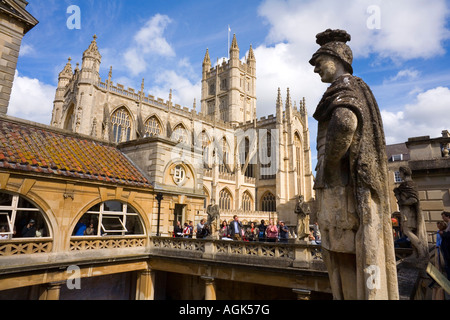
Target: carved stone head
333 43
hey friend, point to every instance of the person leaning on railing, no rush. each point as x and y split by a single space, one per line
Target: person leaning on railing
271 232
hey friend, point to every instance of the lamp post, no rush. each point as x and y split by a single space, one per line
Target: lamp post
159 198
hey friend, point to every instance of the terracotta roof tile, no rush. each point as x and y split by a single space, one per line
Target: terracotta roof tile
25 147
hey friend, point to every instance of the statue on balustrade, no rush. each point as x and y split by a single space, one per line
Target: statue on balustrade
412 220
351 179
213 222
303 212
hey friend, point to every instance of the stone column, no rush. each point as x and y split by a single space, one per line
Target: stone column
52 291
210 288
145 286
302 294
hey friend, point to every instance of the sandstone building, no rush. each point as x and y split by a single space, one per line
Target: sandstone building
15 22
221 153
428 158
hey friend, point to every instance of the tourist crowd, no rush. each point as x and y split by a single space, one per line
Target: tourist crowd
235 230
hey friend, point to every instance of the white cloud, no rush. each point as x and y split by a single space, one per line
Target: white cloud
135 61
406 74
31 99
26 49
424 117
284 71
183 90
149 41
408 28
151 37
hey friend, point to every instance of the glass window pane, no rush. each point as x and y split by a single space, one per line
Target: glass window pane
112 224
95 208
113 206
5 223
134 225
110 220
87 226
30 224
24 204
5 199
130 209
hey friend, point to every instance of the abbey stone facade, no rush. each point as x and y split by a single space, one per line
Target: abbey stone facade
221 154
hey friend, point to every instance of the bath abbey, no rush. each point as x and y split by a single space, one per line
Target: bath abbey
221 153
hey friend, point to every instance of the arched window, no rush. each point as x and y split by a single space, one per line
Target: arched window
224 112
70 119
224 166
121 125
298 153
268 165
206 142
269 203
180 134
19 218
225 200
207 197
108 219
244 151
152 127
247 202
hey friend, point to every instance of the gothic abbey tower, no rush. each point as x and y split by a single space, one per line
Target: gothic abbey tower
229 89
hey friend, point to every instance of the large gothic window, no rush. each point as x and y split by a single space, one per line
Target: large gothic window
180 134
247 202
244 153
225 200
223 109
108 219
269 203
152 127
224 166
206 142
268 166
19 218
121 125
70 119
298 154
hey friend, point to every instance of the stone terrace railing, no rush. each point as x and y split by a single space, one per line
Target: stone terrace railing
98 243
267 254
17 247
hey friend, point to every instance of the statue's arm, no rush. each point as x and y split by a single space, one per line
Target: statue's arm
409 202
341 130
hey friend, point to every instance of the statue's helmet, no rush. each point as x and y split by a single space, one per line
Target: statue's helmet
333 43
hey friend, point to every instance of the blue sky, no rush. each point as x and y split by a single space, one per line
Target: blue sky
401 50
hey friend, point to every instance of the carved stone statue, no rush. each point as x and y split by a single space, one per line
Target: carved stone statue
213 219
302 211
351 180
412 220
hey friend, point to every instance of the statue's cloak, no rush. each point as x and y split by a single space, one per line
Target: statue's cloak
366 162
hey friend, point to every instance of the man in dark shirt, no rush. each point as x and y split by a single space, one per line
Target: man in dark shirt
284 232
29 231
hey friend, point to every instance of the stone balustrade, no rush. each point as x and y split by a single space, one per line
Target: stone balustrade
117 242
296 255
17 247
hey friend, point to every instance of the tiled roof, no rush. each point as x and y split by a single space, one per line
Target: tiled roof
32 148
396 149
